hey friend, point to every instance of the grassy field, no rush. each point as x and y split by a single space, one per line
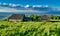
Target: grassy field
29 28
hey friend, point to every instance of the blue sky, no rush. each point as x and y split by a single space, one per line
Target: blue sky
52 3
33 2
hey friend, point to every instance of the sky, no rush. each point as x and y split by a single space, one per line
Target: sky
52 3
33 2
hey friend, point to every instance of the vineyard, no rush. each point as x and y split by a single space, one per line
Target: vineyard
29 28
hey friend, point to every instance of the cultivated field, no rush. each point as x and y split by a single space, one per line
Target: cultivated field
29 28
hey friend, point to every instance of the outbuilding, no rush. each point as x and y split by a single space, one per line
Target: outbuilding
16 17
45 18
28 19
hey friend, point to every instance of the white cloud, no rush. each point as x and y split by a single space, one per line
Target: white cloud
0 3
46 5
37 6
10 4
14 10
27 6
14 5
19 5
56 8
4 4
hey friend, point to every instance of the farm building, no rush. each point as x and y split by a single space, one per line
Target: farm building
45 18
28 19
16 17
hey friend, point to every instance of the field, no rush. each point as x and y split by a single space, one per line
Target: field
29 28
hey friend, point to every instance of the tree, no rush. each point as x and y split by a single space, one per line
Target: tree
51 17
34 17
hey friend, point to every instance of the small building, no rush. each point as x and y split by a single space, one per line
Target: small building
28 19
16 17
45 18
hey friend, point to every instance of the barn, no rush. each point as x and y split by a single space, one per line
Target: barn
44 18
16 17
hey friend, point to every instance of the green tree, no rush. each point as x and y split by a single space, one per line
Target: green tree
34 17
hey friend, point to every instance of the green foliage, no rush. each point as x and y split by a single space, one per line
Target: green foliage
34 17
29 28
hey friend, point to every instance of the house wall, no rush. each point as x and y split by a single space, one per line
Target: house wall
14 20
